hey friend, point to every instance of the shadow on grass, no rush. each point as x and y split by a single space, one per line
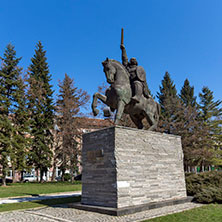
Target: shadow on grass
58 202
61 202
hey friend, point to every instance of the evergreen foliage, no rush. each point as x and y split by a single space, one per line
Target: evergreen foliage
170 105
211 116
181 117
193 130
205 187
167 91
9 90
209 109
41 110
21 124
27 127
187 94
70 100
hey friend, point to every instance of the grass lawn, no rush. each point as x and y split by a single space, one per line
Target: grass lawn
25 189
38 203
208 213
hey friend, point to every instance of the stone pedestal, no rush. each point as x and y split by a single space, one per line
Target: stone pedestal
125 168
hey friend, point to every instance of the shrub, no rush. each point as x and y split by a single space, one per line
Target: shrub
205 187
67 177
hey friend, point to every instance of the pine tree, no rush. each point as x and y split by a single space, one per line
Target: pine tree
5 144
209 109
188 122
9 74
197 128
41 108
70 100
211 115
180 117
187 94
21 124
170 105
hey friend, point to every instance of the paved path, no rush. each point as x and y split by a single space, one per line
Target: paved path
40 197
63 214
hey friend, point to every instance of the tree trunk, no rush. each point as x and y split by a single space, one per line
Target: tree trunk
209 168
201 167
41 175
37 174
63 174
3 181
195 169
72 173
53 171
72 164
22 172
3 177
188 169
46 175
13 174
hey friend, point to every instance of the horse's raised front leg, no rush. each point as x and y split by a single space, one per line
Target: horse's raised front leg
119 112
97 96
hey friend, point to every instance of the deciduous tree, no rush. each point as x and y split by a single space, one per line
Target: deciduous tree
69 104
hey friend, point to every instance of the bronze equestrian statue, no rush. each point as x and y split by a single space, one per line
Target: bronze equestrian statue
137 76
128 92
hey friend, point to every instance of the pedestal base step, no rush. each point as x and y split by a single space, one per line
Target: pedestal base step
128 210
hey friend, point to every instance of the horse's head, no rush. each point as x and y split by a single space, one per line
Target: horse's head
109 70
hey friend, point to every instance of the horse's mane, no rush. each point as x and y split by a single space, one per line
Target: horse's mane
120 65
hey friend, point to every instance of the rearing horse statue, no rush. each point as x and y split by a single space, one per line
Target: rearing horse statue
118 97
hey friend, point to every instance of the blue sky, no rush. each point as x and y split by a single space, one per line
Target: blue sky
181 37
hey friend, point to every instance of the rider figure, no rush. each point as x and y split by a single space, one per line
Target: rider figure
137 76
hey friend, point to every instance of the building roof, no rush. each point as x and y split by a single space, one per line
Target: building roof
90 123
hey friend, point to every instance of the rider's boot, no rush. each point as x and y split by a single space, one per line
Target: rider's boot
138 91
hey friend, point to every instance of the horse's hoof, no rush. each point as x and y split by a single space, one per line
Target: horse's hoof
95 112
106 112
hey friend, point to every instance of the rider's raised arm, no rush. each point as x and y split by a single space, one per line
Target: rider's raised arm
124 55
